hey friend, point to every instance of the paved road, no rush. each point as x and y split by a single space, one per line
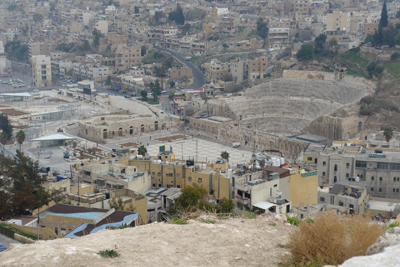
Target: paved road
199 80
7 241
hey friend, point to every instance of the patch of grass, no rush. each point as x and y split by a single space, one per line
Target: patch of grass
108 253
150 101
394 224
282 245
18 231
293 220
331 239
252 34
208 220
393 67
179 220
123 226
272 224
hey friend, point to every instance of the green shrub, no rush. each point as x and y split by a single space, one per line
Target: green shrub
179 220
108 253
394 224
293 220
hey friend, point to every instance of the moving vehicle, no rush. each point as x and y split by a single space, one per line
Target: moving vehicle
236 144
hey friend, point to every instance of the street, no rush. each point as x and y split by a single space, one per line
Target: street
6 241
198 77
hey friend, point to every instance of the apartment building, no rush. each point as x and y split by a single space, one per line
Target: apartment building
180 75
257 68
167 172
91 71
38 48
127 57
238 68
380 172
41 71
301 9
278 38
350 195
211 15
216 71
337 20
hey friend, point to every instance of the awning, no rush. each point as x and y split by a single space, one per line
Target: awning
264 205
54 137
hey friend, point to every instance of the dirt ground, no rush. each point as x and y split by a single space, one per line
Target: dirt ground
130 144
230 242
171 138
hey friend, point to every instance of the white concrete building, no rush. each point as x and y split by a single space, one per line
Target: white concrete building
41 71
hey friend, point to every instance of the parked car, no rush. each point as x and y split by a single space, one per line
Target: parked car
2 247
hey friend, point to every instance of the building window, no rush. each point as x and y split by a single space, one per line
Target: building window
56 230
322 199
394 179
372 178
380 179
178 175
372 189
394 190
178 186
398 179
309 158
335 168
347 165
351 206
159 185
189 179
43 77
361 164
397 190
380 190
324 163
153 186
335 179
347 175
323 174
200 180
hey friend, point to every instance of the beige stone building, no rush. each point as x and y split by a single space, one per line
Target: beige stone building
41 71
99 128
278 38
216 71
257 68
181 75
238 70
338 20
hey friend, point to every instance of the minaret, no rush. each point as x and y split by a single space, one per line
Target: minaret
3 59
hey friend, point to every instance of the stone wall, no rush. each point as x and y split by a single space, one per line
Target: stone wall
311 75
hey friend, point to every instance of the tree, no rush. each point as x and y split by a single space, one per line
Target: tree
37 18
96 38
398 14
225 155
155 89
191 198
6 126
262 28
395 56
305 53
384 15
143 93
3 139
20 138
177 15
171 84
388 133
142 150
143 51
333 42
157 16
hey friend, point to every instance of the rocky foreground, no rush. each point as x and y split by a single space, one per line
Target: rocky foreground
240 242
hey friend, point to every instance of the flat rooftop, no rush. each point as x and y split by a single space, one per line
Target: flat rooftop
382 205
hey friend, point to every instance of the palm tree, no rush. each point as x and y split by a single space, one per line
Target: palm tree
388 133
3 139
142 150
20 138
225 155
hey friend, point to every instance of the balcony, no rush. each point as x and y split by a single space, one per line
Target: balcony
242 200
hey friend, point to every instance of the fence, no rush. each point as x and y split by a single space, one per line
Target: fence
7 232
